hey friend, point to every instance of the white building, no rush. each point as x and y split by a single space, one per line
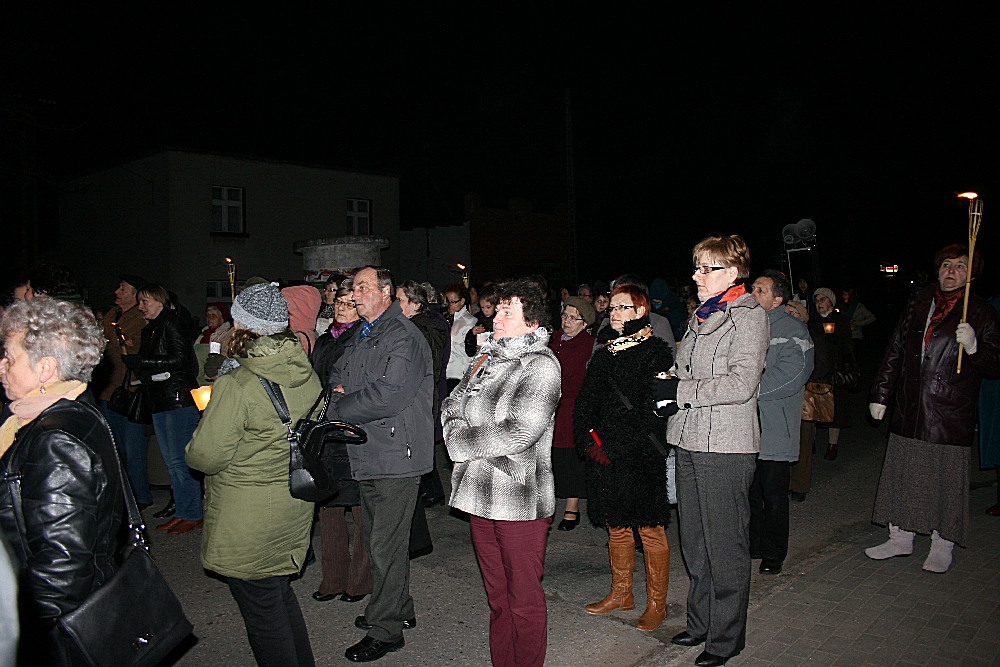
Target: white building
174 216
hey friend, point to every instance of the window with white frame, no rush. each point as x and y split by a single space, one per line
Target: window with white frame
218 290
227 210
359 216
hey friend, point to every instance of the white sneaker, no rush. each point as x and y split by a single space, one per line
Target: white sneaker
900 543
939 559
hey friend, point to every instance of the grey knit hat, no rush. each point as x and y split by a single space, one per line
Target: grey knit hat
261 309
828 293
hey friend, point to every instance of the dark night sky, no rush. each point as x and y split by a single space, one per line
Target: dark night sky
683 124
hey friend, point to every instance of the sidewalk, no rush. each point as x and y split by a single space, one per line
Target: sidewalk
850 610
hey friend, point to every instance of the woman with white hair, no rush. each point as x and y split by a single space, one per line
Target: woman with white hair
60 462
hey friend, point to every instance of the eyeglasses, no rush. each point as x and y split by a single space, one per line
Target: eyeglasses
708 269
569 318
343 304
620 307
330 290
454 301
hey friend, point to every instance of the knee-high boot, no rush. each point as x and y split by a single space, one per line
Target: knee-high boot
656 552
621 549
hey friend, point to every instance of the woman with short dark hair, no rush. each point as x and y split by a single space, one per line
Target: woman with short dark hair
456 297
498 430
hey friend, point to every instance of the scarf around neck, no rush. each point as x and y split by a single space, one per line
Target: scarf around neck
337 329
943 303
719 302
28 408
642 332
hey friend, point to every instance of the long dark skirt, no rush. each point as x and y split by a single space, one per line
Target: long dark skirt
924 487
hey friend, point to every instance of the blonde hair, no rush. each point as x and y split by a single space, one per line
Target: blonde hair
729 251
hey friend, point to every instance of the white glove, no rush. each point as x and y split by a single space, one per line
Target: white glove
877 410
966 335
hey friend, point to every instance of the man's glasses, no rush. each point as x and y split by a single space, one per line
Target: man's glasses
620 307
708 269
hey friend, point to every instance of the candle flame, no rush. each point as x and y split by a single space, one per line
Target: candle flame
969 195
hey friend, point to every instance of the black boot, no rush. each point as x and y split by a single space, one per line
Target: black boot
166 511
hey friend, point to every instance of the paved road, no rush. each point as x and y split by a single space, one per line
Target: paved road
831 605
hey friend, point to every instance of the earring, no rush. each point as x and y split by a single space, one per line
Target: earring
41 390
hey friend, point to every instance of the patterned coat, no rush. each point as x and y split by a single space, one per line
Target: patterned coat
498 425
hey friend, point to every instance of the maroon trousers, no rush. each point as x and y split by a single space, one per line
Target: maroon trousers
511 557
342 572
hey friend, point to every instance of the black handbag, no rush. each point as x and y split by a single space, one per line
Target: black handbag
140 408
121 397
308 477
134 619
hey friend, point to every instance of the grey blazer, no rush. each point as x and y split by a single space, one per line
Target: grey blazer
719 363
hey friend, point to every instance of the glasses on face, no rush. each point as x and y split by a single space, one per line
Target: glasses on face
708 269
569 318
620 307
454 302
330 290
343 303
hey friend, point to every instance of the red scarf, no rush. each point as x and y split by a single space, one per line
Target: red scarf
943 303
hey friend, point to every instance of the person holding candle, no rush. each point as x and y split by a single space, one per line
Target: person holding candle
836 330
924 487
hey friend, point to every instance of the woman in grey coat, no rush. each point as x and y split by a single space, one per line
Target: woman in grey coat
498 424
711 398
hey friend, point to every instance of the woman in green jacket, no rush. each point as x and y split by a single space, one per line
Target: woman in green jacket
256 535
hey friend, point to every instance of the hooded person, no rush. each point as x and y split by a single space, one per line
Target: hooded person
304 302
256 534
664 302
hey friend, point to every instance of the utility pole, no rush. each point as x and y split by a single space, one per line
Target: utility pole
570 189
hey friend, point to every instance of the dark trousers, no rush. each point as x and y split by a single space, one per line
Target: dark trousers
769 510
386 513
511 557
275 627
132 444
713 516
420 534
343 571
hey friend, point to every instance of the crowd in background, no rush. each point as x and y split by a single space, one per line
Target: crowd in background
634 397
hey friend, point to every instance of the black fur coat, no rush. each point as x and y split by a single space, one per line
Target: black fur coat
632 491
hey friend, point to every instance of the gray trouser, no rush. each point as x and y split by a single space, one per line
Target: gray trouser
386 512
714 517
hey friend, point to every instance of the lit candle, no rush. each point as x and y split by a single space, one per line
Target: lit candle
829 327
201 396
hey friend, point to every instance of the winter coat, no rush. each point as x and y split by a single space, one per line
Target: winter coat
459 360
328 350
787 367
62 471
632 491
933 402
388 381
437 338
166 348
498 426
661 330
573 355
304 302
719 363
859 316
434 312
253 527
471 339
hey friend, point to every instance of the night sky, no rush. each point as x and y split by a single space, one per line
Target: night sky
734 121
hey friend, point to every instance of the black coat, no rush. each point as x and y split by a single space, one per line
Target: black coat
61 470
632 491
166 348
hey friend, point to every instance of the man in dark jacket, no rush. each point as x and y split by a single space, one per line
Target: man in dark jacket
385 383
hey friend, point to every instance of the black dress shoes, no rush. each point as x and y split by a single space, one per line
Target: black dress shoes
770 566
707 659
352 598
325 597
361 623
421 552
166 511
687 639
369 649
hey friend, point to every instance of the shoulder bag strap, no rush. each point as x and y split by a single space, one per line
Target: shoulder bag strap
273 392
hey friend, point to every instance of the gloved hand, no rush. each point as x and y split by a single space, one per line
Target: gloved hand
966 335
664 390
212 365
664 408
596 453
131 361
877 410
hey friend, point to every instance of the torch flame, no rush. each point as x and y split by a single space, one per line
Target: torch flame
969 195
229 260
461 266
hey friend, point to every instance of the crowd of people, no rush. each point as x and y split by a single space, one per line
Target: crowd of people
629 397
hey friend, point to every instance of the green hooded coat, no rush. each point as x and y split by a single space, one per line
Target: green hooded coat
253 527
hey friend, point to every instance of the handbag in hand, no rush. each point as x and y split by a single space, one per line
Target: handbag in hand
308 477
140 408
818 405
121 397
134 619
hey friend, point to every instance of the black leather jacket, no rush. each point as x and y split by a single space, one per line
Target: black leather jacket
166 348
64 537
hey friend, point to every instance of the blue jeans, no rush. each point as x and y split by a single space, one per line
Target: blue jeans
132 443
173 431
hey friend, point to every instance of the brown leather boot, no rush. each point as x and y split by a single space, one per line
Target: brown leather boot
620 597
831 453
657 582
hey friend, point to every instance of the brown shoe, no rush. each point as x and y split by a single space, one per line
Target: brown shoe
184 526
831 453
169 524
657 582
620 597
